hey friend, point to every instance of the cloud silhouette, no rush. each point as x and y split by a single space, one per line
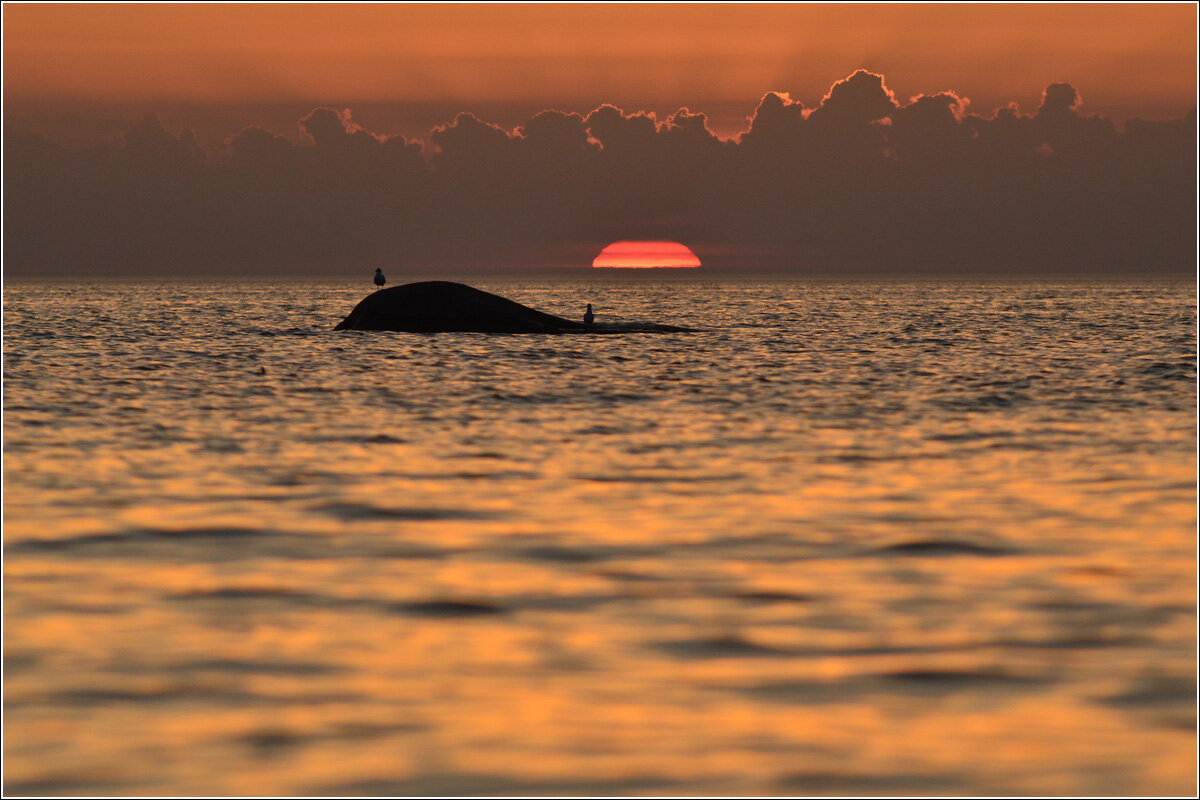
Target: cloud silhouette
929 129
255 150
1058 100
855 101
556 135
859 184
149 147
778 117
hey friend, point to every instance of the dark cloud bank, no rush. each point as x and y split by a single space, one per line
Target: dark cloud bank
860 185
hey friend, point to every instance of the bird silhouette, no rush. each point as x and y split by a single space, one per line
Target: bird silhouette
379 279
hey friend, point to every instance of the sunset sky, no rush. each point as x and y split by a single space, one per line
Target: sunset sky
890 139
1126 60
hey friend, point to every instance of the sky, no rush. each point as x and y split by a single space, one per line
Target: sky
1128 60
87 76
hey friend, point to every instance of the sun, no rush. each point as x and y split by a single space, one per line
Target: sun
646 255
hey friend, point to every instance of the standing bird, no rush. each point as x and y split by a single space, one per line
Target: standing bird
588 316
379 279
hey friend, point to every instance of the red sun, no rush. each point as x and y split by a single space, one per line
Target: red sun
646 255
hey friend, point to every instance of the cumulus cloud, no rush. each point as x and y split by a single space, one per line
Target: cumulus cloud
1058 100
930 128
469 140
556 134
255 149
855 101
860 183
148 146
778 117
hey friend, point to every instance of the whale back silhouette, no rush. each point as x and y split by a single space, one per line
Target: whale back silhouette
443 306
446 307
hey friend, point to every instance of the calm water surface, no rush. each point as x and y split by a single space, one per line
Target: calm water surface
924 538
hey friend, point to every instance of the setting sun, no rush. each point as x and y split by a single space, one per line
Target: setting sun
646 255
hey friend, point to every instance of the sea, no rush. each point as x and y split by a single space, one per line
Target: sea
930 538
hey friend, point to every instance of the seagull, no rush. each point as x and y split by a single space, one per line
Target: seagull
379 279
588 316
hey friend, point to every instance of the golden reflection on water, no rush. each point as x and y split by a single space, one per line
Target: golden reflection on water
825 555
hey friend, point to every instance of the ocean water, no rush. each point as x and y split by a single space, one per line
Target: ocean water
847 538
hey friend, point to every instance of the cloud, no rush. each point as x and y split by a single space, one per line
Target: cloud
556 135
470 143
149 147
255 150
778 117
855 101
624 136
341 143
930 129
859 184
1058 100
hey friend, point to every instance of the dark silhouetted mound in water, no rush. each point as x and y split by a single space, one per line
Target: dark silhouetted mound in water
442 306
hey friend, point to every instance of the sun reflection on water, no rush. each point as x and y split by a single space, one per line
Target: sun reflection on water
930 539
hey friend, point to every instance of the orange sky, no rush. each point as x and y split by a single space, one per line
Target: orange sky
1124 59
